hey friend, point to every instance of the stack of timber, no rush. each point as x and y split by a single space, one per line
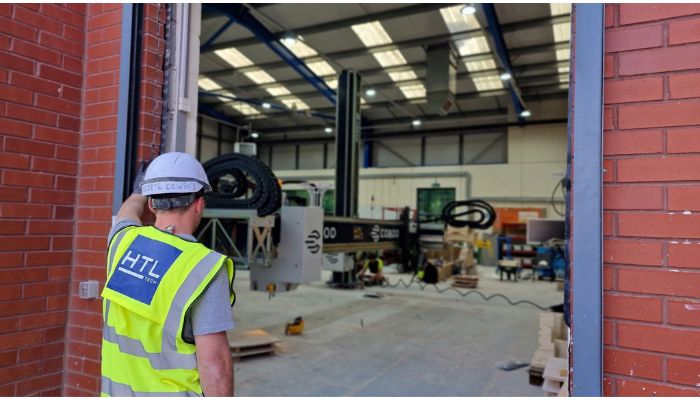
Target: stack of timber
251 343
550 363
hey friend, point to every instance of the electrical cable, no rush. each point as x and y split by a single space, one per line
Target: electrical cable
551 200
463 294
485 213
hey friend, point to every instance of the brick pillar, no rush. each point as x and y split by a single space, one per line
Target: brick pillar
652 200
96 174
41 63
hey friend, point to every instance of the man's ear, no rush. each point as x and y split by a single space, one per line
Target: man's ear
150 206
199 205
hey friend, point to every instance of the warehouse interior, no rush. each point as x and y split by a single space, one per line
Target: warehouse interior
456 102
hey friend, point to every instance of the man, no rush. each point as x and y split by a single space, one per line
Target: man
167 299
375 266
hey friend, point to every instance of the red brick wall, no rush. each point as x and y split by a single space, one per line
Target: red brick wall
96 174
651 200
41 64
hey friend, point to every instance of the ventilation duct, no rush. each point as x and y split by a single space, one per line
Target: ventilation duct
441 78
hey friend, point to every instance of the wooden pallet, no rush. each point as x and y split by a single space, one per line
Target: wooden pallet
251 343
465 281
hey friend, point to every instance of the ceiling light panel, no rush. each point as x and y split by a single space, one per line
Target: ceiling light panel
489 82
560 8
456 22
332 83
233 57
371 34
260 77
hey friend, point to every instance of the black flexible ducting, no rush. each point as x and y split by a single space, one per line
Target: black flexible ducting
233 175
463 294
486 215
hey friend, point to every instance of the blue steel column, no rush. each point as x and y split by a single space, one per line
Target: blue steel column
587 268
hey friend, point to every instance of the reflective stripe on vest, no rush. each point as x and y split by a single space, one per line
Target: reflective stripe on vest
143 339
117 389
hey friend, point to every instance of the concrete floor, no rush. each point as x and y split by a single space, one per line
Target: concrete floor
408 343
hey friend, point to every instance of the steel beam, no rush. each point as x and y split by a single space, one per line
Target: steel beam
241 14
216 35
501 51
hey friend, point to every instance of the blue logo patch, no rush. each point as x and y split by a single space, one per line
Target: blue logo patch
142 267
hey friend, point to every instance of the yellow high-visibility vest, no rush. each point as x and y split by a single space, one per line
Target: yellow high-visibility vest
153 278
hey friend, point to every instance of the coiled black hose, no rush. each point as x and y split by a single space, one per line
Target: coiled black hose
484 212
233 176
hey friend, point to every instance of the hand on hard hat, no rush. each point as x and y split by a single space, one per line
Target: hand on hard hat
174 173
140 174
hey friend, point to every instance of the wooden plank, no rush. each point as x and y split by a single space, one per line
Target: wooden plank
252 338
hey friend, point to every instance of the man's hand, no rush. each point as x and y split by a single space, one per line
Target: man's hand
215 365
140 174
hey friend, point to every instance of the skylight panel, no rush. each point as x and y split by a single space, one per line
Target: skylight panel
260 77
278 90
413 91
562 32
560 8
332 83
321 68
563 54
233 57
456 22
472 45
480 65
295 103
208 84
299 48
489 82
371 34
243 108
402 76
389 58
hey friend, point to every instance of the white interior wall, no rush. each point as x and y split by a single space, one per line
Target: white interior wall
536 162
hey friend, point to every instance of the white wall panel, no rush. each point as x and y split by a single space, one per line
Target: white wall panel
311 156
283 157
442 150
208 150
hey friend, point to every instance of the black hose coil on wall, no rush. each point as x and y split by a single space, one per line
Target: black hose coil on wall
233 176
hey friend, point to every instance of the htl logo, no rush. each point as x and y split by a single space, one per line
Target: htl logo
133 263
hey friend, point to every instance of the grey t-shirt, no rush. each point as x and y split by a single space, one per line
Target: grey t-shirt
211 313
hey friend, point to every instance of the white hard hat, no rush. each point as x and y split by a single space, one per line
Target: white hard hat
174 173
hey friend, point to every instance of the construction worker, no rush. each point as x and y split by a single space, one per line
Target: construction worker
375 265
167 299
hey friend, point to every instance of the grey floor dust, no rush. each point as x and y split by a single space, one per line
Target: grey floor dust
408 343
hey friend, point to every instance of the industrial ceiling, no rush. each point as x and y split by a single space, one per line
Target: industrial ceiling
275 66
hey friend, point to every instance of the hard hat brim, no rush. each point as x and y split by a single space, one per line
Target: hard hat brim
173 185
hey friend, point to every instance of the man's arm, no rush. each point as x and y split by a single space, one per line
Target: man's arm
215 365
132 208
